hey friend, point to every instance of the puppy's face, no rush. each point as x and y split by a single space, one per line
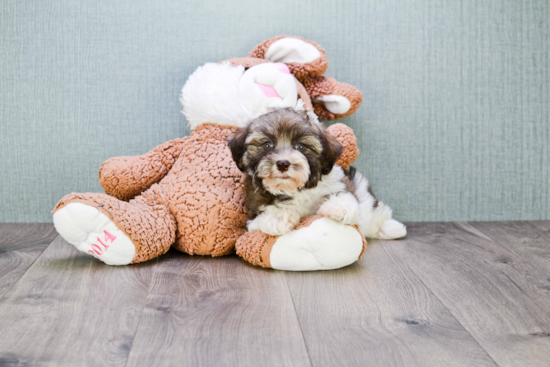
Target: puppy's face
284 151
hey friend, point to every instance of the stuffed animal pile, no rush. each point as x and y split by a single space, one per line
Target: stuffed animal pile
188 193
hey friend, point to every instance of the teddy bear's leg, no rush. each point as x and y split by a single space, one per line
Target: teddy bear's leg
114 231
304 58
317 243
332 99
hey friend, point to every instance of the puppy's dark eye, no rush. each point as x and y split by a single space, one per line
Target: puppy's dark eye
300 147
267 145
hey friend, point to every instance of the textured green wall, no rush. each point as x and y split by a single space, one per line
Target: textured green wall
455 122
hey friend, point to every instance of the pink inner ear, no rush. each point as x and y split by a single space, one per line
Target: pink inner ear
282 67
268 90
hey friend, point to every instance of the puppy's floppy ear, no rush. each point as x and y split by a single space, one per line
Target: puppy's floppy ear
237 145
332 149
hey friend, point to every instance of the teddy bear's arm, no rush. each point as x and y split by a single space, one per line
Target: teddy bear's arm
127 177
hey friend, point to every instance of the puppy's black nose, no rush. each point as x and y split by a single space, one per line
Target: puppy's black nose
283 165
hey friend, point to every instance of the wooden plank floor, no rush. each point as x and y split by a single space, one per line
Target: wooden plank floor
453 294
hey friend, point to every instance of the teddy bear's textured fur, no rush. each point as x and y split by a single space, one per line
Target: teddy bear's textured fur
188 193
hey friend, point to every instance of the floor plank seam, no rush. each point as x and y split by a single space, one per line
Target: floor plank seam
535 272
298 320
446 307
496 242
29 267
466 224
141 312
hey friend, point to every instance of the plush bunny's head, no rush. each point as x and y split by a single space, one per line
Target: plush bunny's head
282 72
307 61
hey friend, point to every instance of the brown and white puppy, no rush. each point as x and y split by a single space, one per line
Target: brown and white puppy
289 161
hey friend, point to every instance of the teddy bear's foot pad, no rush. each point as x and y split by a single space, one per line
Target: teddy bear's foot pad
92 232
323 245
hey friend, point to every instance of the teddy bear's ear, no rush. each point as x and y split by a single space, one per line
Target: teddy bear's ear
331 99
303 58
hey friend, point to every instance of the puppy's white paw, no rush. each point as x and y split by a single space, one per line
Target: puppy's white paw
275 224
278 226
343 211
92 232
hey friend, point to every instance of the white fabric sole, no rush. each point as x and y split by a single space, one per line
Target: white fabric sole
92 232
324 245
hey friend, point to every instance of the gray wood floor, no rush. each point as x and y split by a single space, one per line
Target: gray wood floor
450 294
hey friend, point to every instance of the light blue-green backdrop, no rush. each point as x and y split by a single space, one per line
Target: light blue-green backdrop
454 125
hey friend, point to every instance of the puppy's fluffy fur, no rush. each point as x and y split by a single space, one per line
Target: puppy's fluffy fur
289 162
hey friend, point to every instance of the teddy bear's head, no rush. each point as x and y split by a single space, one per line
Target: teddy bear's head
280 72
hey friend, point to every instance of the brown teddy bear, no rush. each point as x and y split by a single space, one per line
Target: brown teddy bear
188 193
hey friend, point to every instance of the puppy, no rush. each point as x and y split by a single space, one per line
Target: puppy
289 161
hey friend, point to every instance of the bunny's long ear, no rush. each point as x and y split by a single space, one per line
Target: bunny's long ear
331 99
304 58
